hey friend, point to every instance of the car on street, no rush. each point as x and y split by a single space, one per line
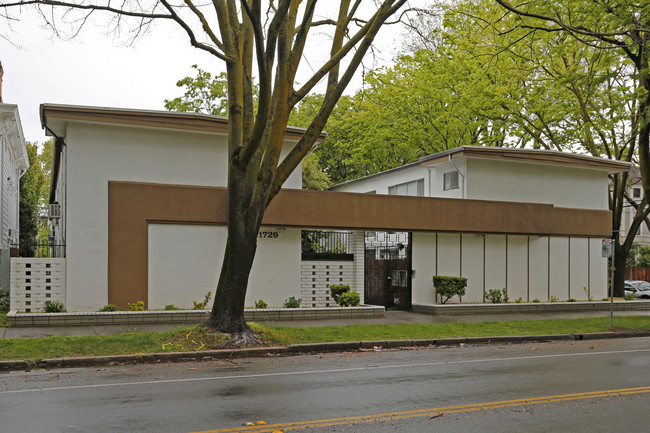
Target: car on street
640 289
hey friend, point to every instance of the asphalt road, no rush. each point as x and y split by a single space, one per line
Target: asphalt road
594 386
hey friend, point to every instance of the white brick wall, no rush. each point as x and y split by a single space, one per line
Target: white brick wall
34 281
318 275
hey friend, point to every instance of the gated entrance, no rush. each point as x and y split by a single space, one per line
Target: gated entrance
387 270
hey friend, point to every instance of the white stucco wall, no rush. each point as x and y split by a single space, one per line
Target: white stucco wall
518 263
493 179
379 184
423 252
185 261
436 183
97 154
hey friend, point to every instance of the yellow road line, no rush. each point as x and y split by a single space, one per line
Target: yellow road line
430 411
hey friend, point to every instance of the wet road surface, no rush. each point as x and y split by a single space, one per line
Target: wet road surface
451 389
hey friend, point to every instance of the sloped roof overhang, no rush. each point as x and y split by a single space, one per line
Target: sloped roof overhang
536 156
55 118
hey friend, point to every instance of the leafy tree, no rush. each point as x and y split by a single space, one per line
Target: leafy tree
312 176
265 43
639 256
32 186
203 94
621 28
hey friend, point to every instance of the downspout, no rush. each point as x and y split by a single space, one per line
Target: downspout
462 177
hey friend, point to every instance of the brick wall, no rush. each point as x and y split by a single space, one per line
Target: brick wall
318 275
34 281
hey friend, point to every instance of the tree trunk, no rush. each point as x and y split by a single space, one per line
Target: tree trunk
244 220
619 270
228 309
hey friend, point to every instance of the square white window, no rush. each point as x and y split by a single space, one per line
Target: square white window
450 180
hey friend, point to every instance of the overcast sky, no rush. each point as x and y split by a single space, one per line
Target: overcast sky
98 70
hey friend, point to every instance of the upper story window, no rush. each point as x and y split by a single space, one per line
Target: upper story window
636 192
450 180
414 188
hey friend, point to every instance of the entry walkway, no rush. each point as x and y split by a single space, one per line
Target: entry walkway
390 317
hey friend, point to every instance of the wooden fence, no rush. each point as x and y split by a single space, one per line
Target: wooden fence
642 274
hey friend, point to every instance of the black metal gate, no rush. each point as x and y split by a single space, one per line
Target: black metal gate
388 270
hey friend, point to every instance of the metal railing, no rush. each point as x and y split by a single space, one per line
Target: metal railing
318 241
40 249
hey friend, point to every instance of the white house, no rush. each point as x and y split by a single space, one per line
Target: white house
13 155
167 152
541 263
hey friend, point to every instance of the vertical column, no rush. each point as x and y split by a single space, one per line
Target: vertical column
358 282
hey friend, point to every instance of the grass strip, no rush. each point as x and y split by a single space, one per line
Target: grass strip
197 338
3 320
179 340
291 335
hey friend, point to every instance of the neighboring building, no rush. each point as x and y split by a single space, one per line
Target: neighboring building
542 264
635 192
14 163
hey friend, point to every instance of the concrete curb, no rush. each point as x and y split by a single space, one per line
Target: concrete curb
295 349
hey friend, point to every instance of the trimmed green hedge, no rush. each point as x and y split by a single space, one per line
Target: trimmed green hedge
448 287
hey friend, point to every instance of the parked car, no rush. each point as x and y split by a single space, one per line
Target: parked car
640 289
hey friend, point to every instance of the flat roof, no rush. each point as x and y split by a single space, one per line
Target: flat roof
55 117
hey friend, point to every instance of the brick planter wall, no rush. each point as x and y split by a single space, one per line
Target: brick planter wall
186 316
542 307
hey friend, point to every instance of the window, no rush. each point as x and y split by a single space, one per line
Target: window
414 188
450 180
636 192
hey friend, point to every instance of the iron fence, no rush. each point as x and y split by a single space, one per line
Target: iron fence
325 245
40 249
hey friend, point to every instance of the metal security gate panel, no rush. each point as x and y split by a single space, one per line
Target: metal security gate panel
387 269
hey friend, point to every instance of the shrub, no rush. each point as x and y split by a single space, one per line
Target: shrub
336 290
555 299
261 304
589 298
108 307
4 300
292 302
571 300
519 300
628 297
202 305
136 306
349 299
448 287
171 307
536 301
497 296
54 307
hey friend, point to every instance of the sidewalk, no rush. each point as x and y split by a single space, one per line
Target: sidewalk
390 317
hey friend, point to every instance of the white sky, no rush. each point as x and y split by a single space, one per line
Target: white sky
94 69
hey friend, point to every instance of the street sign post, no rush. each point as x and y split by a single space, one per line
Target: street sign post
608 250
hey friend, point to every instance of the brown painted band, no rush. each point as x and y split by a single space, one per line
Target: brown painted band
133 206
